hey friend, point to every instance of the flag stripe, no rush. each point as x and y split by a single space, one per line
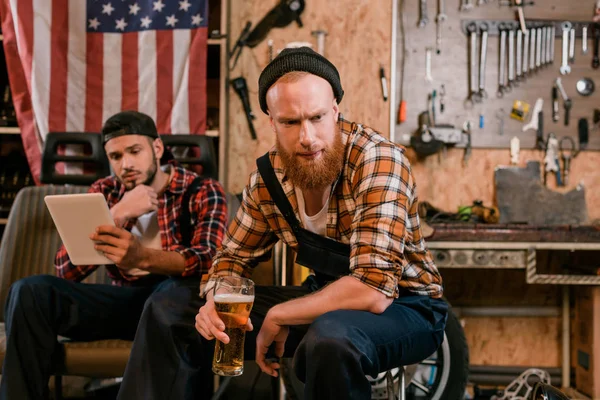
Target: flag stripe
74 63
40 75
94 79
164 80
197 81
19 72
147 75
180 122
76 77
129 75
57 107
111 103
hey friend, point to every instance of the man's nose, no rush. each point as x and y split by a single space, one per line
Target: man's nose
307 134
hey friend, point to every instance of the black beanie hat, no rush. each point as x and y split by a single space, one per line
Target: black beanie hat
129 123
298 59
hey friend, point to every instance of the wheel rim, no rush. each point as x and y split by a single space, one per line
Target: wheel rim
431 377
427 382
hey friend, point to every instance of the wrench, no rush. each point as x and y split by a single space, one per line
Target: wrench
483 60
532 32
511 58
423 18
466 5
552 42
525 52
565 68
567 101
440 18
572 45
474 96
548 44
584 40
501 83
543 50
519 54
538 52
595 59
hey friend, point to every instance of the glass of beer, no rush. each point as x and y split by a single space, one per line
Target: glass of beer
233 297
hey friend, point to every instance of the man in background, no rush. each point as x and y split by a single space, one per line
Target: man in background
169 223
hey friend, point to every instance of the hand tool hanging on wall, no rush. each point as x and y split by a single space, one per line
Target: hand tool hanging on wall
239 45
555 114
567 153
279 16
533 122
596 58
565 68
423 18
551 159
474 96
467 153
466 5
567 103
502 88
584 40
482 61
440 18
583 133
241 88
320 35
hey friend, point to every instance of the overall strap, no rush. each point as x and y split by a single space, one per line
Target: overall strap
185 223
276 191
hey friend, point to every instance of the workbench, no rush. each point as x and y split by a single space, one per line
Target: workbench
487 246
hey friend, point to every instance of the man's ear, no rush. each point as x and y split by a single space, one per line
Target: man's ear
159 148
336 110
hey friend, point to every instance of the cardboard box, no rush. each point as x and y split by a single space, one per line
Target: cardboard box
587 340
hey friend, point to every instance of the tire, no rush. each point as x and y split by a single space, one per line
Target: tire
444 374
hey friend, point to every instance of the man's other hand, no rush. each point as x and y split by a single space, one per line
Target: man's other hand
136 202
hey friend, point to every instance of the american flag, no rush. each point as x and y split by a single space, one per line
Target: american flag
74 63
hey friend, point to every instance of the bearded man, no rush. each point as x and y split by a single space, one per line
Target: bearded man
343 197
152 205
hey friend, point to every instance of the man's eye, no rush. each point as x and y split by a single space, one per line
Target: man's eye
317 117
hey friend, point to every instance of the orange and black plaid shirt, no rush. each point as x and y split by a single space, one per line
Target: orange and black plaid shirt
373 209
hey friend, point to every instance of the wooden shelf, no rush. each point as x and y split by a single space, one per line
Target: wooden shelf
10 130
3 221
216 41
212 133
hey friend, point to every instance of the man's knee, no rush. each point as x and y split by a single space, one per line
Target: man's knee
24 291
169 304
327 342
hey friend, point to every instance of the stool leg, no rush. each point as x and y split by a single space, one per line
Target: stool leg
401 384
58 387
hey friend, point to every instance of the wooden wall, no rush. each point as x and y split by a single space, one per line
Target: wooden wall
359 41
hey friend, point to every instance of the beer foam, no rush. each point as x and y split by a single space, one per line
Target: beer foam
233 298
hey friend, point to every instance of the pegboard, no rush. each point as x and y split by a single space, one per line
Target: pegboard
450 68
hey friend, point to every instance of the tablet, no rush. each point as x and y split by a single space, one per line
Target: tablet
76 217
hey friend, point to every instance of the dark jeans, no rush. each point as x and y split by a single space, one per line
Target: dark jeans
41 307
332 355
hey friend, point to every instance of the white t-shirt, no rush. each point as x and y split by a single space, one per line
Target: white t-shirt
318 222
148 232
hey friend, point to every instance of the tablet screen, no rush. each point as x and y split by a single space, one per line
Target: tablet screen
76 216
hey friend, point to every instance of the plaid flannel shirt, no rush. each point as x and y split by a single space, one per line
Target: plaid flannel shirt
373 208
208 213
